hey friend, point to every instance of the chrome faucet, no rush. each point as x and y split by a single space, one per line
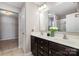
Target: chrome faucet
41 33
65 36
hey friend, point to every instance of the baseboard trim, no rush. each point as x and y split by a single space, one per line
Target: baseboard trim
28 54
8 39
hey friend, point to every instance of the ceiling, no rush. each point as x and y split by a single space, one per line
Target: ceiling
15 4
38 3
11 6
60 8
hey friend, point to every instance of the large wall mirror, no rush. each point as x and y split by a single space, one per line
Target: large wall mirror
64 15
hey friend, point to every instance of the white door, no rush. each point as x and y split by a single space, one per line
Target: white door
22 29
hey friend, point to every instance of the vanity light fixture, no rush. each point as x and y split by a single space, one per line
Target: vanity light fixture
43 8
6 12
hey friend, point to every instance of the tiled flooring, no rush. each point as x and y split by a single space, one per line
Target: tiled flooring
8 44
10 48
12 52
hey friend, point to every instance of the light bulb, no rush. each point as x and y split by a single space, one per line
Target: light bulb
6 12
43 7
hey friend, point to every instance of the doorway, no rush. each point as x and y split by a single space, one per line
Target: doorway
8 30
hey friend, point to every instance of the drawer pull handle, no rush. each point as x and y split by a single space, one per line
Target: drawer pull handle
41 52
49 52
41 47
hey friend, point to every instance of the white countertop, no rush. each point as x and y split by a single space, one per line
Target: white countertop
72 41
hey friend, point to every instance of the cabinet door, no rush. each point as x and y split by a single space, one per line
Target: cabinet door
34 45
42 52
56 49
61 50
42 47
71 51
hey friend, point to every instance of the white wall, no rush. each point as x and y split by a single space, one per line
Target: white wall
31 22
8 27
72 24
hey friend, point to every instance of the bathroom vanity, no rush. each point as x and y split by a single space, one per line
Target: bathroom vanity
60 44
42 45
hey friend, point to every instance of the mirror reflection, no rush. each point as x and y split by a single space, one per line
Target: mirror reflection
63 15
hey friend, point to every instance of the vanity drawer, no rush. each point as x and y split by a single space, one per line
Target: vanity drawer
42 52
42 42
55 52
71 51
52 52
43 48
61 50
56 46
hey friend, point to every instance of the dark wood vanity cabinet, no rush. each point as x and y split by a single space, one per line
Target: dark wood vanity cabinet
43 47
61 50
34 45
39 47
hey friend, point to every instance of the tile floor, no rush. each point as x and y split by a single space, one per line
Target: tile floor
10 48
12 52
8 44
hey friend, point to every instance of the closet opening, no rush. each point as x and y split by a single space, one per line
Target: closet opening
8 30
